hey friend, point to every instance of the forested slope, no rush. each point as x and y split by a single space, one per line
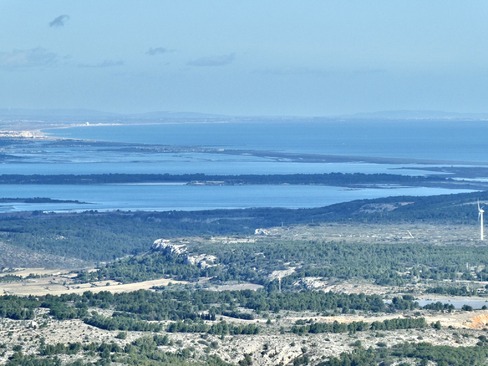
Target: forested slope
97 236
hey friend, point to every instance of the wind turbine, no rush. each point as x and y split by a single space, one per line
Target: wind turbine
480 218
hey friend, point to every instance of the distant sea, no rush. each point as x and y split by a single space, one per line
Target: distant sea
414 142
456 141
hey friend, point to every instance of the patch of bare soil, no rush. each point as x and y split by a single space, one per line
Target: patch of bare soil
479 321
57 282
30 272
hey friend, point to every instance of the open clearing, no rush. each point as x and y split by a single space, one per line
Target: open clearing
57 282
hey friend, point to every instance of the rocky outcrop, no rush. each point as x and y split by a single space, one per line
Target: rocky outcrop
203 260
165 246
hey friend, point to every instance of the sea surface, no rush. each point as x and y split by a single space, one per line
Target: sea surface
251 147
455 141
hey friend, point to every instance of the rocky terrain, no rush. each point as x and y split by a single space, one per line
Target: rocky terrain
271 347
275 344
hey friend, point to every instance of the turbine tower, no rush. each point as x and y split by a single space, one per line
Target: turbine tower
480 218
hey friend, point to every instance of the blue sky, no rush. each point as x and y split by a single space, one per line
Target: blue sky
245 57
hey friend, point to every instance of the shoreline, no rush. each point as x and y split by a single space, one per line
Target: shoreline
41 130
437 166
456 168
25 134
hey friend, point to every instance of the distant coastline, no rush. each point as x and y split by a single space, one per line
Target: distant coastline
38 200
25 134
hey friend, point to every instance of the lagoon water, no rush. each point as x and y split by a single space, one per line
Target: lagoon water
452 142
458 303
167 197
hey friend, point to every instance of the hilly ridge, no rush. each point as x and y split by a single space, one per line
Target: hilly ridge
101 236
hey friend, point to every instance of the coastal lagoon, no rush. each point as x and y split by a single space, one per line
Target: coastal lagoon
167 197
234 148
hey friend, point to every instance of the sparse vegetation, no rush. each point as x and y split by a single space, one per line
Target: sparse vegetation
106 236
287 319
